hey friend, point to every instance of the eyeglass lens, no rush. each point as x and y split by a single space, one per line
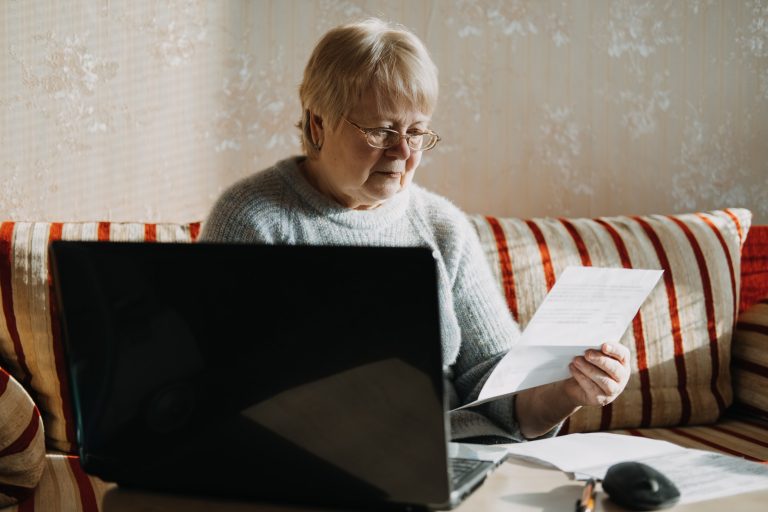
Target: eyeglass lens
388 138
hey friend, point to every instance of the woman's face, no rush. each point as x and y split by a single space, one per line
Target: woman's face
355 174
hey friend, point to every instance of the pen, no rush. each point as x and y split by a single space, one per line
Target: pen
587 501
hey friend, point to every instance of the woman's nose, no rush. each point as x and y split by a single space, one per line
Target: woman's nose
401 150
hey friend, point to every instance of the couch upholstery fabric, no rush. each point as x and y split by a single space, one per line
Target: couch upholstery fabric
30 333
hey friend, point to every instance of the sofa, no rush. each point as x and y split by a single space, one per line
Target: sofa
699 344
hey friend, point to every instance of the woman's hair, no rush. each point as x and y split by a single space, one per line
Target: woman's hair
350 59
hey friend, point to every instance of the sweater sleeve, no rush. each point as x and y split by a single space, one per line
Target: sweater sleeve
488 331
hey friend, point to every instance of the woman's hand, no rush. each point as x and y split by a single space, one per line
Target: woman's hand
599 376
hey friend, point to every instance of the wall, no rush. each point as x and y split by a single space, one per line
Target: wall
144 110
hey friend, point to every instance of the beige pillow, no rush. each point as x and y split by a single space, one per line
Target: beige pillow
680 341
30 334
22 442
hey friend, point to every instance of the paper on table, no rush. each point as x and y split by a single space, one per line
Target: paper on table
587 306
699 475
579 453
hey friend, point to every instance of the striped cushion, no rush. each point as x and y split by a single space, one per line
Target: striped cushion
680 341
22 442
750 359
30 345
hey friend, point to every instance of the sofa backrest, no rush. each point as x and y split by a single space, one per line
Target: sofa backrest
680 342
30 333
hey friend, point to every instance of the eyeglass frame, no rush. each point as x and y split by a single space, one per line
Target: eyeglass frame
406 136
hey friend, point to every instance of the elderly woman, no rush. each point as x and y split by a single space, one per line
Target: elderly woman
368 94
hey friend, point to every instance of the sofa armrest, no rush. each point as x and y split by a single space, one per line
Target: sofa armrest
750 360
22 442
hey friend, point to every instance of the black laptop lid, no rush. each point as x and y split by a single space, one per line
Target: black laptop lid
307 374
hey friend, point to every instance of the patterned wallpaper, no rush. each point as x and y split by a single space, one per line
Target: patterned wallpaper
146 110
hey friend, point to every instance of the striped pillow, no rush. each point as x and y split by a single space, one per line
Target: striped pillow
680 341
30 346
750 359
22 442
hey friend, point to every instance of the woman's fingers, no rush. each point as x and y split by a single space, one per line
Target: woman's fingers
602 374
603 379
591 392
610 366
616 351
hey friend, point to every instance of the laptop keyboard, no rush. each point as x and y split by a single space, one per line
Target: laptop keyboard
461 469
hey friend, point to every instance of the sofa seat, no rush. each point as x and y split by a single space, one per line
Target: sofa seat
718 403
735 433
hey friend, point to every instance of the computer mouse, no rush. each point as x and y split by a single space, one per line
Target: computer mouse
637 486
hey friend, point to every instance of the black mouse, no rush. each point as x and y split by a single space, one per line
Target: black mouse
637 486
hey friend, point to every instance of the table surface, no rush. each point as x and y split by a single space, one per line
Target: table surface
514 486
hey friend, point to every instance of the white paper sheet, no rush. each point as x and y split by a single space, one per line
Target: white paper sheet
699 475
587 306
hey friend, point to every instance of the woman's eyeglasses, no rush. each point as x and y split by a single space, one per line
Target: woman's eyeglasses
384 138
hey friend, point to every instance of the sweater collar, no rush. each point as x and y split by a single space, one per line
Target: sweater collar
388 212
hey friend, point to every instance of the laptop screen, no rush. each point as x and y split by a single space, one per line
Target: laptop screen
288 373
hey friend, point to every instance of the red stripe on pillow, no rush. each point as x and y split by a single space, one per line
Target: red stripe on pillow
734 291
54 234
87 495
6 255
750 366
749 326
638 332
606 414
505 264
194 230
713 444
743 437
546 258
25 438
709 307
104 231
150 232
4 378
669 283
579 241
736 222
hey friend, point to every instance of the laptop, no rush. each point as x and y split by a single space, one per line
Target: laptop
309 375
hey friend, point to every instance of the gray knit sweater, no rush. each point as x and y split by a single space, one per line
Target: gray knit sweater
278 206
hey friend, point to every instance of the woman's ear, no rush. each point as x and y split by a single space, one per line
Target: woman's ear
316 130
